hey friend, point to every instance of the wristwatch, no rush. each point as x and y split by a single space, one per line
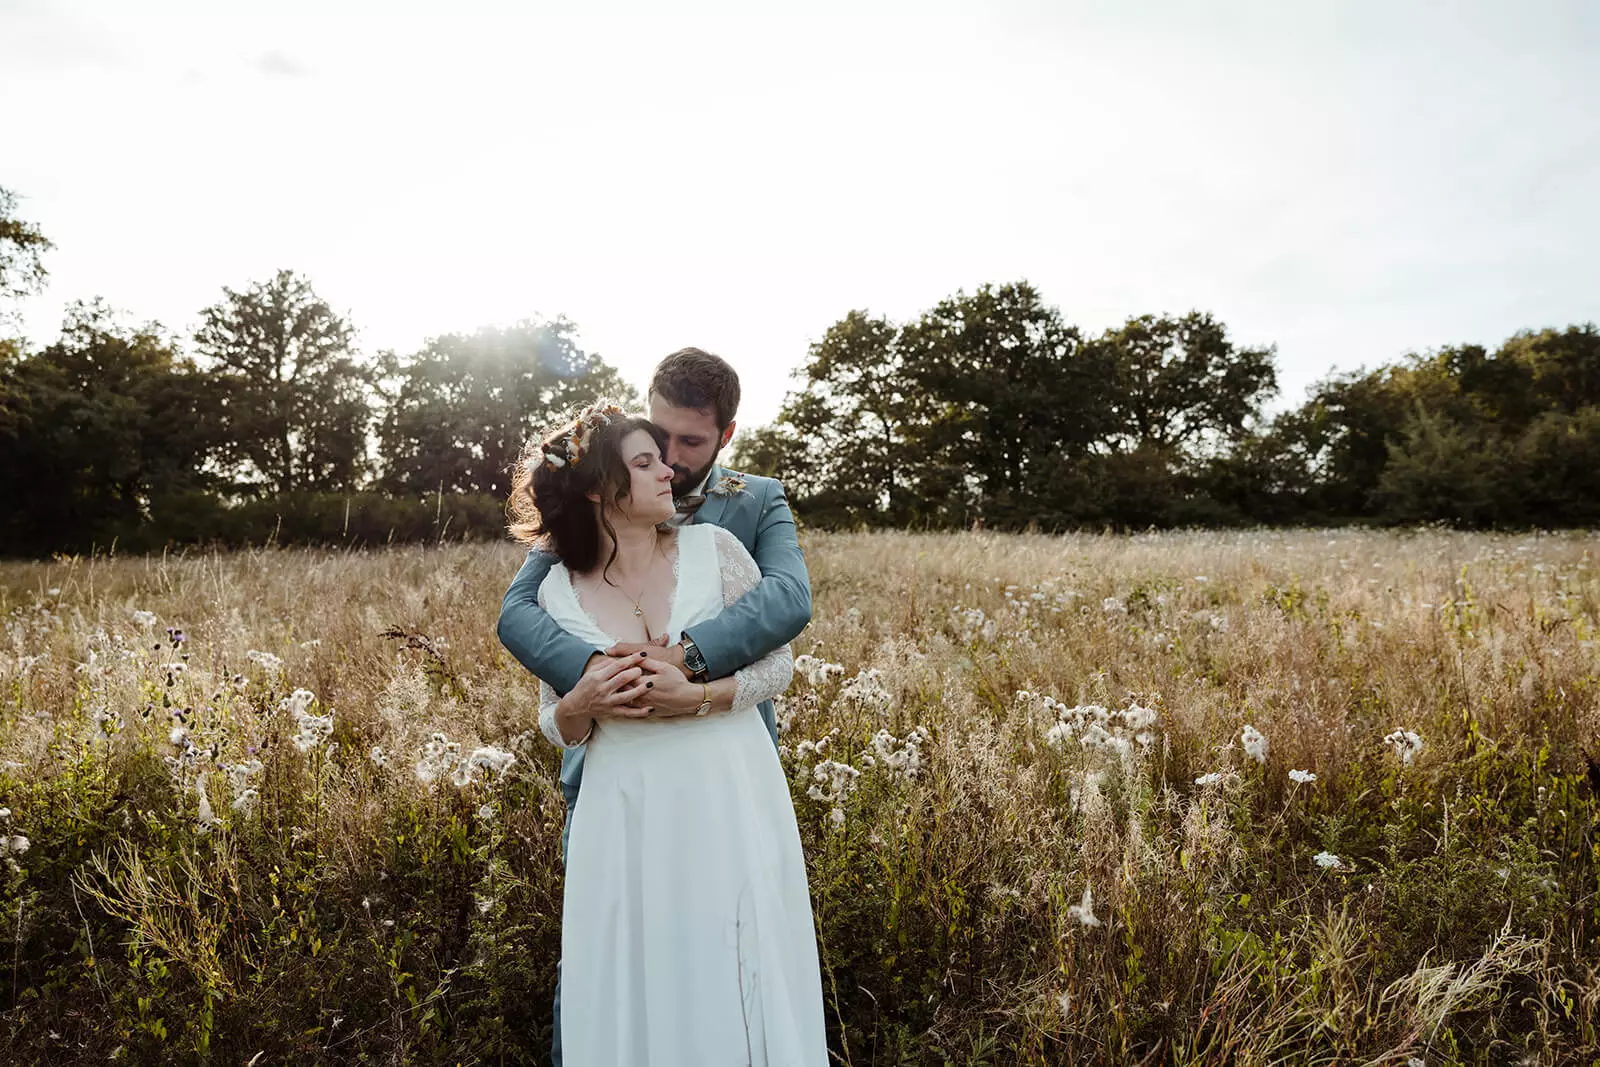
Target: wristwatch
694 661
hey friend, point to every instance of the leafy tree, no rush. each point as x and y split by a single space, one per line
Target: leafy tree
1442 470
297 399
459 410
1005 394
22 247
1557 469
840 440
1180 384
97 428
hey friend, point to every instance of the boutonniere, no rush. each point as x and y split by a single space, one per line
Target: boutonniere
727 485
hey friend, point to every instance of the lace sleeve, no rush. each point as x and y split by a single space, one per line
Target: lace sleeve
548 699
771 674
547 715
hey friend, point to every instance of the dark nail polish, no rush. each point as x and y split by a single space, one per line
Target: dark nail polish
649 685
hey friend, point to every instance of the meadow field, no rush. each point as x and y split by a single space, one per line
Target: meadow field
1244 798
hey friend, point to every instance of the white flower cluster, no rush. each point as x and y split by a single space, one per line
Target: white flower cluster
1083 911
832 782
866 690
11 845
240 777
1406 744
1113 606
442 755
265 660
311 731
1328 861
1095 726
901 757
143 618
816 670
1301 777
1209 778
1254 742
973 623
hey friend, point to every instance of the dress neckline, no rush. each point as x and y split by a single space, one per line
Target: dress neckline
676 550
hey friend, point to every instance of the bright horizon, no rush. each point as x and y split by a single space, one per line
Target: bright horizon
1344 181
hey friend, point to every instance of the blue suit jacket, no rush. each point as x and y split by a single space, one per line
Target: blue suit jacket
771 614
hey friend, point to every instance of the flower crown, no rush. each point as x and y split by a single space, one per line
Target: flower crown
569 444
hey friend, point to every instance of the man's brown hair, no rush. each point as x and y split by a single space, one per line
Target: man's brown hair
694 378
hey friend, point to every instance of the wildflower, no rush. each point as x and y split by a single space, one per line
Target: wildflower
208 819
177 735
264 660
489 758
245 802
867 691
1255 743
1083 911
486 813
1302 777
438 756
378 756
13 845
1406 744
313 731
240 774
973 624
832 782
902 758
816 671
1210 778
1113 606
1327 860
144 618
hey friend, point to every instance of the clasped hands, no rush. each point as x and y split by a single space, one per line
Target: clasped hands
630 681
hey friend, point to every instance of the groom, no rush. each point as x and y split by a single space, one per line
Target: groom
694 397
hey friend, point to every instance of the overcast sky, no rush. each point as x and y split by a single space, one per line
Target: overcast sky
1347 180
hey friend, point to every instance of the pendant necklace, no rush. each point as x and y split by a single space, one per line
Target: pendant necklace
638 610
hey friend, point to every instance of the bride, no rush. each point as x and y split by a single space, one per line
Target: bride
686 935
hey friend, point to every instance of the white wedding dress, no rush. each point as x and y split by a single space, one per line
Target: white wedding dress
686 934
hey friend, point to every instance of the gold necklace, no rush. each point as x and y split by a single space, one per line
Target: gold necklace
638 610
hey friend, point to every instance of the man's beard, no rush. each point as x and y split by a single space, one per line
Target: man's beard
684 480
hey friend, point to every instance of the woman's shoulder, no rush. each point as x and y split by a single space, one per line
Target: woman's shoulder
558 577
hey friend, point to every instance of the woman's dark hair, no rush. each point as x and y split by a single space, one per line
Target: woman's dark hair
549 506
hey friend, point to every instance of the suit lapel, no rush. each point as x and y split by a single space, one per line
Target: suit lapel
716 503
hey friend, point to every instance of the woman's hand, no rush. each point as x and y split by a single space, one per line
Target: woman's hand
606 692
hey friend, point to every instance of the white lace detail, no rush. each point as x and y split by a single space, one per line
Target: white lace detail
771 674
548 699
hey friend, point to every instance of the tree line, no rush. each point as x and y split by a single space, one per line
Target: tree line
991 408
268 424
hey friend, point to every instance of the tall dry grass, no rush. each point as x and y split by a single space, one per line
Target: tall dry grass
1008 864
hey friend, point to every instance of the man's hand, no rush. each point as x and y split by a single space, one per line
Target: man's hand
656 650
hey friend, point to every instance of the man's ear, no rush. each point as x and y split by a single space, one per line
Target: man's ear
727 435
